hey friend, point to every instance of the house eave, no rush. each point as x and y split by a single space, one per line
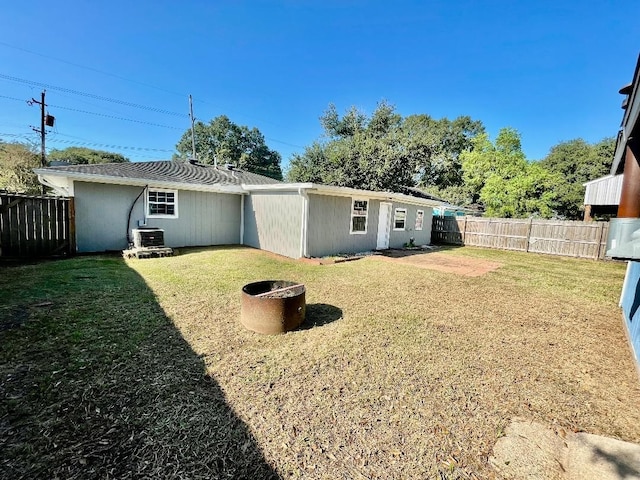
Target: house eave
598 180
342 192
629 121
141 182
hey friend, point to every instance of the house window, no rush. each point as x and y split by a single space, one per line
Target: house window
419 219
399 219
359 210
162 203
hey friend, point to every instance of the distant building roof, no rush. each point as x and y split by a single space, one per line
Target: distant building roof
416 192
603 191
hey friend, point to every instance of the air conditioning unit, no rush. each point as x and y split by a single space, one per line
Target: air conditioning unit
148 237
623 242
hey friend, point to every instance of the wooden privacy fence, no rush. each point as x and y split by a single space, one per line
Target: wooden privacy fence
35 226
554 237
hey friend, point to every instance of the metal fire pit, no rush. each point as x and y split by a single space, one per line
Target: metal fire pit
272 306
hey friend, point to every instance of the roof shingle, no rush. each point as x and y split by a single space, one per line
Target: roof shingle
168 171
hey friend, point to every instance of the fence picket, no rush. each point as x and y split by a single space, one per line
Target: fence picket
554 237
34 226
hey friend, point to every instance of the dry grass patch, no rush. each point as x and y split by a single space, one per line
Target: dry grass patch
408 373
424 370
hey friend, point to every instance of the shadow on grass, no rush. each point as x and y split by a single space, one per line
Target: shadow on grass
98 383
319 314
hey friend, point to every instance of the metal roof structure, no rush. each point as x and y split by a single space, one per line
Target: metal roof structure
603 191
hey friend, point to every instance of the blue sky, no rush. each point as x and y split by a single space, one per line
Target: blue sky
550 69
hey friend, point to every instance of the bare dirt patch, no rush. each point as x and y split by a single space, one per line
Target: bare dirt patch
467 266
538 452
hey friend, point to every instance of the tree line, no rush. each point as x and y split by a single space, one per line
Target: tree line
454 160
451 159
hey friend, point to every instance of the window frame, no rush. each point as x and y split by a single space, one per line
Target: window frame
419 214
395 219
352 216
148 203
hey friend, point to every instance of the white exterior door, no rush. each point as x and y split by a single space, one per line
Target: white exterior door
384 226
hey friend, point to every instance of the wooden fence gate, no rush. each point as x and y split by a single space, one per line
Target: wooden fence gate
36 226
554 237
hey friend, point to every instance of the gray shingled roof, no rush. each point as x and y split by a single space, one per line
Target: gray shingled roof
167 171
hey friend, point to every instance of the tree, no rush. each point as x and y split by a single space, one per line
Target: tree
358 151
223 141
499 176
576 162
439 144
83 156
385 151
17 161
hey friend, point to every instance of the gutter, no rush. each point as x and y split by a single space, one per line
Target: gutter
341 192
139 182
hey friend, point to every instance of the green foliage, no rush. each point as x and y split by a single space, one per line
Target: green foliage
384 151
456 195
499 176
438 144
226 142
576 162
84 156
17 161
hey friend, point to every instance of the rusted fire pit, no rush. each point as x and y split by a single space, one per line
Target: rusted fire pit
272 306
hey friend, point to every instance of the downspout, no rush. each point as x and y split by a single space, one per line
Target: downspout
131 211
304 220
242 219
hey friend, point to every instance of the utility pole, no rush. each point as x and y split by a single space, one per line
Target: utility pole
44 120
193 131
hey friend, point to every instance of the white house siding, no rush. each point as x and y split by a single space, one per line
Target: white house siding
101 215
329 225
330 221
398 238
203 218
603 191
273 222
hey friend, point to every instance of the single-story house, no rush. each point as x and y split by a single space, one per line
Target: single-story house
602 196
203 205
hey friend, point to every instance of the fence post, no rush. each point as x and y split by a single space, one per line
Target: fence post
529 234
464 231
72 226
600 234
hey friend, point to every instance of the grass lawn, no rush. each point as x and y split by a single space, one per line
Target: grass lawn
140 368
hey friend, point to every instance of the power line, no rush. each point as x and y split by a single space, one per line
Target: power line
284 143
90 95
120 77
91 69
114 117
121 102
88 143
105 145
98 114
